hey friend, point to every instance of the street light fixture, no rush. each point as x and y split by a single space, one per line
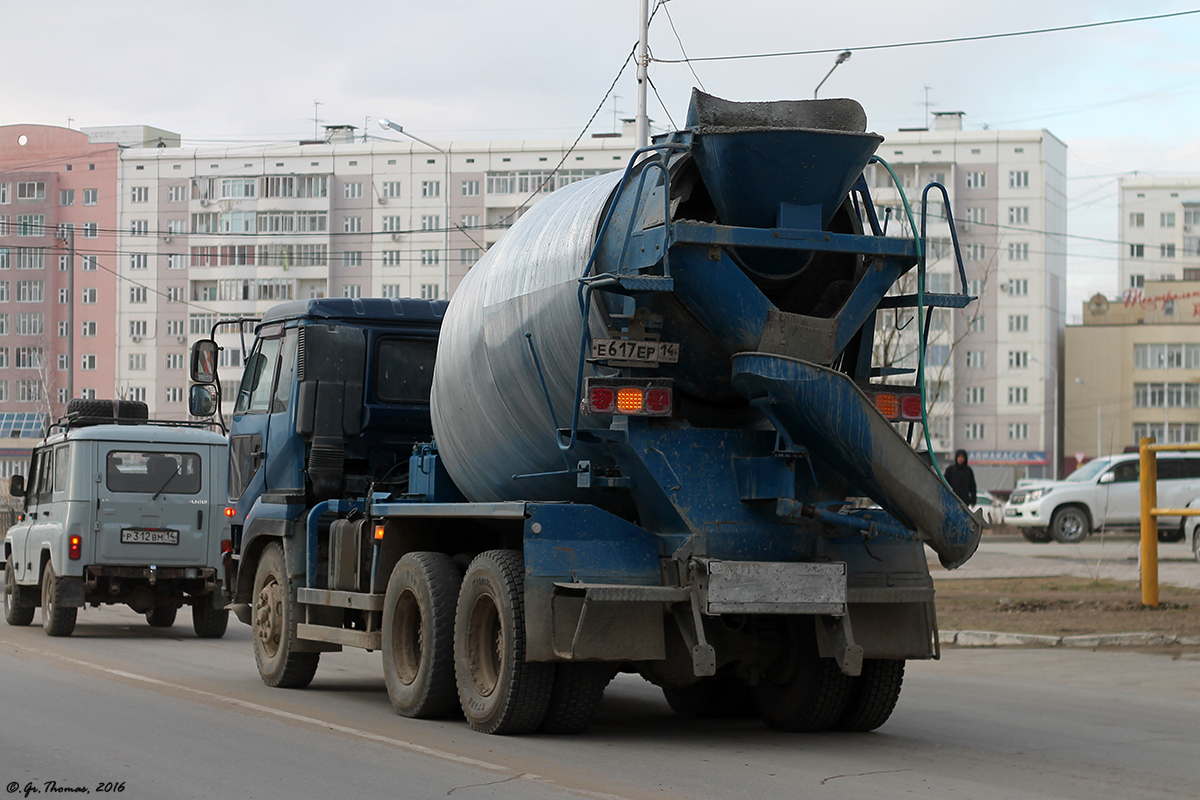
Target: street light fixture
387 124
843 57
1099 440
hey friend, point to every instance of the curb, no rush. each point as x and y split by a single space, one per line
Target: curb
1002 639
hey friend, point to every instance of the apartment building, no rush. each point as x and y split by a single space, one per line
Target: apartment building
58 216
994 367
1160 230
211 234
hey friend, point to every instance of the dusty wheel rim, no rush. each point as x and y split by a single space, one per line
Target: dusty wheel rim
47 597
10 589
485 645
408 638
1070 526
268 615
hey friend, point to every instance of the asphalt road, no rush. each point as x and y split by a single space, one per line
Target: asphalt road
171 716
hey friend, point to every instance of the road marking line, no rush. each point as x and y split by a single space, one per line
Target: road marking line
400 744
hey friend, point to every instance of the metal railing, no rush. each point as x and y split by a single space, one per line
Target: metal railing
1148 473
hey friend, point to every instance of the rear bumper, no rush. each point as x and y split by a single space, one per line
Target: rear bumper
152 575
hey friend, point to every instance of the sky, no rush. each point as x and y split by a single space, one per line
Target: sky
1123 97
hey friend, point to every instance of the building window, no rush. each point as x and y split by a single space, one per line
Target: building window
1018 215
29 391
28 358
137 393
353 258
30 324
1018 430
31 191
431 188
1166 250
1166 219
352 290
139 227
468 255
470 220
176 261
1018 287
976 180
174 394
176 226
1018 179
470 188
138 260
5 193
1018 395
391 189
31 225
1018 251
978 324
174 294
352 225
137 294
63 396
1137 251
974 252
139 194
64 296
176 194
175 361
137 327
1137 281
391 290
66 197
238 187
87 328
973 431
64 329
91 197
429 291
976 215
31 291
87 362
975 359
175 327
1018 359
137 362
352 191
975 395
1018 323
391 224
391 258
431 222
429 257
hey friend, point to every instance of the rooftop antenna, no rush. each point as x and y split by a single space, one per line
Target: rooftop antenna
69 121
615 98
317 118
366 124
926 104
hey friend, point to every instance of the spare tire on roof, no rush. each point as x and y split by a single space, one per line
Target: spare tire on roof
81 412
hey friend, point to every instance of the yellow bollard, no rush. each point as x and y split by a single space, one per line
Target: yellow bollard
1149 480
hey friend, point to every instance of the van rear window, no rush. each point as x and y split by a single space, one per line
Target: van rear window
153 472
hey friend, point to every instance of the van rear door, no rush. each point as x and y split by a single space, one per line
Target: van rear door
153 505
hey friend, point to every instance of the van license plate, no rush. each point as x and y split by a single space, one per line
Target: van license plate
148 536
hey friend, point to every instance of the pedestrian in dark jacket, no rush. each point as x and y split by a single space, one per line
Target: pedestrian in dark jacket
961 478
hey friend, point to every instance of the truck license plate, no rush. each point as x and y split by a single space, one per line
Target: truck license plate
148 536
630 350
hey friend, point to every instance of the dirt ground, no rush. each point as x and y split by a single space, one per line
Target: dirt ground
1063 606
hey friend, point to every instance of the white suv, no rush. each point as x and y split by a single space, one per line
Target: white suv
1104 493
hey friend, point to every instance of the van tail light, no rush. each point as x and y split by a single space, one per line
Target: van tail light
645 397
74 548
230 511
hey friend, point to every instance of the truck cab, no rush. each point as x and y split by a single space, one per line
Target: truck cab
119 510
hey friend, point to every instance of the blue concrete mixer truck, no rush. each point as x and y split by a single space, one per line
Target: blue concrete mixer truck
646 435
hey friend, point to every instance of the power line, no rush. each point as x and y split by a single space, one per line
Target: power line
981 37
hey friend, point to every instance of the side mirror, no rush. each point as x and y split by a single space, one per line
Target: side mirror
16 486
202 401
1108 477
204 361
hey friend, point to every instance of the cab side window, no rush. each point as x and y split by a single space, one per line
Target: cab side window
1126 472
258 380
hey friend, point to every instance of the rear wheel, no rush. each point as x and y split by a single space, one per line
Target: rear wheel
578 690
800 691
208 621
1196 544
1070 524
57 619
162 616
418 635
1171 535
499 690
873 695
1036 535
274 616
13 614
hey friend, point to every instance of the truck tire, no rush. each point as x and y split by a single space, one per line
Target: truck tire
1172 535
208 621
717 697
1036 535
418 635
83 412
1070 524
13 614
57 619
575 699
800 691
873 695
162 616
500 692
273 620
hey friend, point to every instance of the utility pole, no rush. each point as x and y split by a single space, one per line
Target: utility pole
317 118
643 78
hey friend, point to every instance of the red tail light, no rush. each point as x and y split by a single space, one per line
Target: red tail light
658 401
910 407
226 546
74 548
601 399
230 511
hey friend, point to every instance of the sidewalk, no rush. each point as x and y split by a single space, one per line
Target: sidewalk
1113 557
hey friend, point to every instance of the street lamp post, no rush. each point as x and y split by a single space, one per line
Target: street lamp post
843 57
387 124
1099 439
